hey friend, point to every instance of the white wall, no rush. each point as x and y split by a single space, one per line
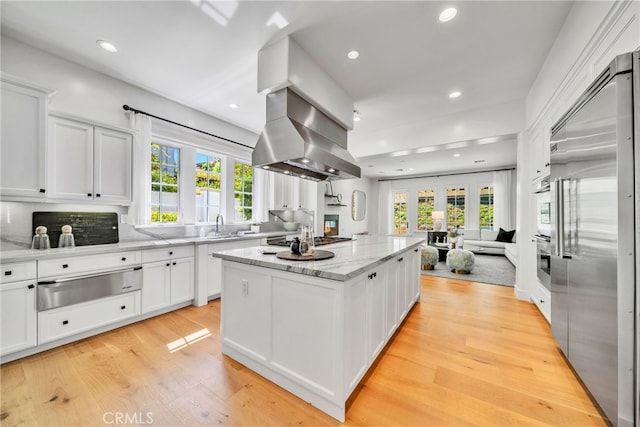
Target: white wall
347 225
96 97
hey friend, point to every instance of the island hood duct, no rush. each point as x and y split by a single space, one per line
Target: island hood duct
300 140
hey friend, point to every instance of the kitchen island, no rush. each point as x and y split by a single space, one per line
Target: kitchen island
316 327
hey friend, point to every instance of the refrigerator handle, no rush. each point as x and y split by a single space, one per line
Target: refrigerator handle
559 201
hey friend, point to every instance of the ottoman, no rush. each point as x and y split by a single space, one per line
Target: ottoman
460 261
428 257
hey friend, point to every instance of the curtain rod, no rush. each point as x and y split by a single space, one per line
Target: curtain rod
136 111
444 174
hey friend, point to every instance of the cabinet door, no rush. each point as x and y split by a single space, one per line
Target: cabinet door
214 275
377 334
18 316
70 159
112 166
391 288
413 276
401 284
23 143
156 286
182 280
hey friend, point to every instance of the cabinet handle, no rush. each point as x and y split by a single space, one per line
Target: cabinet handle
168 264
415 250
546 165
400 259
123 307
30 286
88 194
124 258
42 190
65 265
174 263
8 273
537 170
97 194
170 252
65 322
541 301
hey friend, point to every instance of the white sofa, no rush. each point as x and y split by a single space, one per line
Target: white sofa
485 242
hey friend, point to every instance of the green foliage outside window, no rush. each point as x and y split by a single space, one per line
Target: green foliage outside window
400 213
426 204
486 208
164 183
455 207
243 191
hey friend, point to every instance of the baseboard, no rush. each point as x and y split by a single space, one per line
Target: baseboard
521 294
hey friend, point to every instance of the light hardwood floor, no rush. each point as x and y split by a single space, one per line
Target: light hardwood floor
468 354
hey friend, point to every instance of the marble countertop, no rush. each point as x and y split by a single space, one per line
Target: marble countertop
24 255
352 258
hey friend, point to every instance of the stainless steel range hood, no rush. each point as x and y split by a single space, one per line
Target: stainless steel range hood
300 140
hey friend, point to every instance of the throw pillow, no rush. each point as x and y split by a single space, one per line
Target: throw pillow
505 236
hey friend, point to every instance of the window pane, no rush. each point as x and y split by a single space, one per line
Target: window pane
426 201
208 184
400 212
455 207
486 208
164 183
243 184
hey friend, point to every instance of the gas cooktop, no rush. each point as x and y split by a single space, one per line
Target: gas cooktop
317 241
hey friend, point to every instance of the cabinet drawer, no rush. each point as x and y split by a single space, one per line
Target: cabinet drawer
153 255
89 263
18 271
66 321
542 299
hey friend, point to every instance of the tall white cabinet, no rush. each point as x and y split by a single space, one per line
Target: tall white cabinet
89 162
23 145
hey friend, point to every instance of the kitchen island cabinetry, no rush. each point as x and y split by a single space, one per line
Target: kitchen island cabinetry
18 307
89 162
315 328
23 154
167 277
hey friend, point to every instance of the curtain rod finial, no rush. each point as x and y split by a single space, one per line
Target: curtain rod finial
126 107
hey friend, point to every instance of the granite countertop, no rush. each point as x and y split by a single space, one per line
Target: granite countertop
352 258
24 255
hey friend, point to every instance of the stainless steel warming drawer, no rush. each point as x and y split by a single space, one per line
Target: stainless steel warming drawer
74 290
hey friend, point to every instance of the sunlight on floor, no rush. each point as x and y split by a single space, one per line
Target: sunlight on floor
193 338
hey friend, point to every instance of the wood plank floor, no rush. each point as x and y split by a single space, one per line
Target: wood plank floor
469 354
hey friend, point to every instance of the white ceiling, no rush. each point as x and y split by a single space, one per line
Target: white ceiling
204 54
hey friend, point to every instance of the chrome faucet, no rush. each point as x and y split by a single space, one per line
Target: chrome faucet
221 219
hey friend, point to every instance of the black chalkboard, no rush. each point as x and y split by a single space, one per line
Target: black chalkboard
89 228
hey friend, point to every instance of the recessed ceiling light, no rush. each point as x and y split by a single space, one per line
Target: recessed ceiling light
233 106
303 176
354 54
305 160
455 94
287 172
356 115
410 169
265 167
456 155
332 170
108 46
448 14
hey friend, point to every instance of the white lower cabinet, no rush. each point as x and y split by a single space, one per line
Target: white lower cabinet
18 316
65 321
541 297
169 281
376 284
211 271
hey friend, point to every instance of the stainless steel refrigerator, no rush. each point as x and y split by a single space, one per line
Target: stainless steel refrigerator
593 261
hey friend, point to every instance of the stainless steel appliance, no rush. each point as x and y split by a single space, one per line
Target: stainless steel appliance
542 192
74 290
593 295
543 260
331 225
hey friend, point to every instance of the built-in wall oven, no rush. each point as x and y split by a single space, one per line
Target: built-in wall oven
542 193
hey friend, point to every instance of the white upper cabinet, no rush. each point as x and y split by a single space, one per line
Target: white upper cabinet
88 162
23 144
